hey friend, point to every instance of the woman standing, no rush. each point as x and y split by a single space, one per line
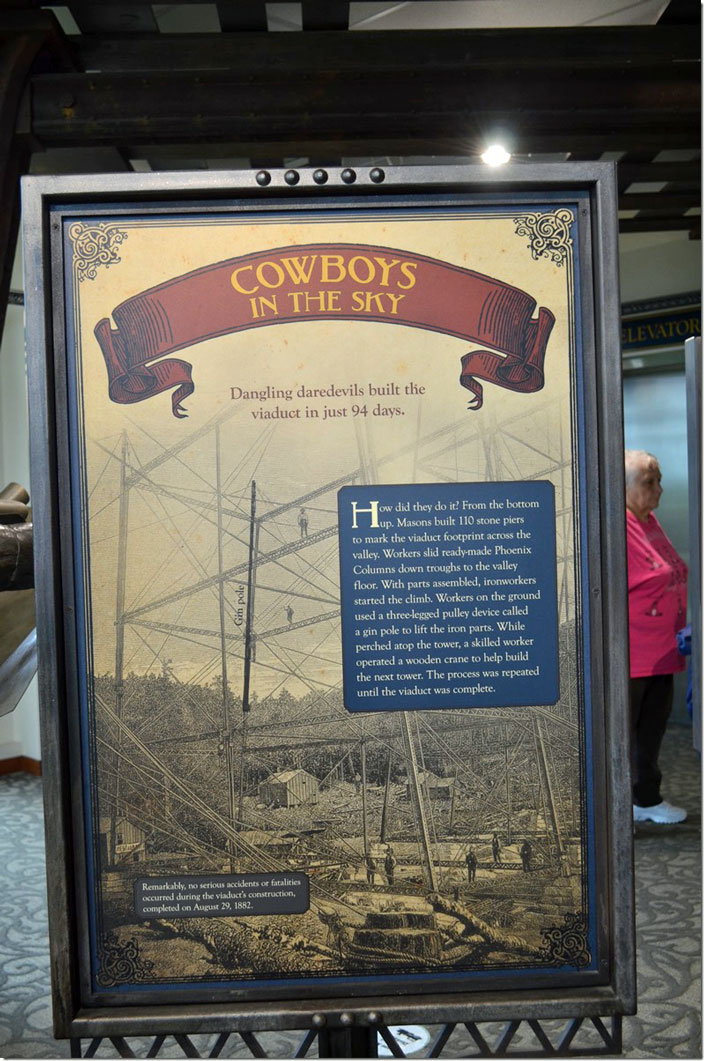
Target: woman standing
657 605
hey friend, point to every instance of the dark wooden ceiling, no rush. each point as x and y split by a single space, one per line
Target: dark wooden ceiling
121 93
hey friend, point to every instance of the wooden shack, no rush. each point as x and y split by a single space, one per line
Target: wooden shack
130 840
432 786
289 788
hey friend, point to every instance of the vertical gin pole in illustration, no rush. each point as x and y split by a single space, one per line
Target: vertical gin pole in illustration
449 595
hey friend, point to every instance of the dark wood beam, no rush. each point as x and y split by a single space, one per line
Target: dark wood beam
398 111
660 224
584 91
616 51
682 13
325 14
664 201
662 172
326 95
238 16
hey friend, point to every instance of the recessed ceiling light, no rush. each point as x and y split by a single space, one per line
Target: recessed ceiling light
495 155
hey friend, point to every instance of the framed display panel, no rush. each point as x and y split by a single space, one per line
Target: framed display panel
327 481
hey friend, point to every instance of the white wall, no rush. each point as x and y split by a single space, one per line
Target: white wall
659 263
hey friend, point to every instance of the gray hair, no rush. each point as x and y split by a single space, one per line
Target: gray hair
634 459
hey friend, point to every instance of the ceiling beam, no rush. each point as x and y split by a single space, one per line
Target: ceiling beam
238 16
661 224
325 14
661 172
530 111
682 12
616 51
276 95
663 202
328 95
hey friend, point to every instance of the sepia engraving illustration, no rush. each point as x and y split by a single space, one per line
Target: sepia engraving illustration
245 825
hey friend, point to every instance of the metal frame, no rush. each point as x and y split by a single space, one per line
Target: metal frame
577 1037
299 189
693 369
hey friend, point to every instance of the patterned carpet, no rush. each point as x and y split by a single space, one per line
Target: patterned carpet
668 900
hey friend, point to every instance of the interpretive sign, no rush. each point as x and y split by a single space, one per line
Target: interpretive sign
331 676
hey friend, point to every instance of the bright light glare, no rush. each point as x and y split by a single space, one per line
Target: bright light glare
495 155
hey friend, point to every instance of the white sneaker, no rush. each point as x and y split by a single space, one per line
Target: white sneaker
662 814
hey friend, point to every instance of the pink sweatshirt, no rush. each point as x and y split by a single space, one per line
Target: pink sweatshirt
657 598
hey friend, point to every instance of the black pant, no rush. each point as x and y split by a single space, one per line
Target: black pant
650 703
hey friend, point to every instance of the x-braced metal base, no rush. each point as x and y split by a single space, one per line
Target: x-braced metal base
575 1037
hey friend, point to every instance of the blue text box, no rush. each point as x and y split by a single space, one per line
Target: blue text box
449 595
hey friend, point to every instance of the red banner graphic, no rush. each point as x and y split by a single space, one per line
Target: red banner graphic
321 281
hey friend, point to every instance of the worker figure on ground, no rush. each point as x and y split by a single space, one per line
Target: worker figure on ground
389 866
471 860
526 855
496 849
303 523
371 869
289 614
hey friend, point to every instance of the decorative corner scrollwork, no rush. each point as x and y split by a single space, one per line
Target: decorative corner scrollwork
567 944
549 234
120 962
93 246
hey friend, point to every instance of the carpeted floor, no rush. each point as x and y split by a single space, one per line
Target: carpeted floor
668 901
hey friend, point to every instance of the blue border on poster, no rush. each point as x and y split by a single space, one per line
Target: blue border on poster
82 597
584 597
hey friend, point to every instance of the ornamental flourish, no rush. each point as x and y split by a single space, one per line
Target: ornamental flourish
93 246
549 234
567 944
120 962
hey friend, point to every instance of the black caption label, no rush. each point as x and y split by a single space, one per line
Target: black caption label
216 895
